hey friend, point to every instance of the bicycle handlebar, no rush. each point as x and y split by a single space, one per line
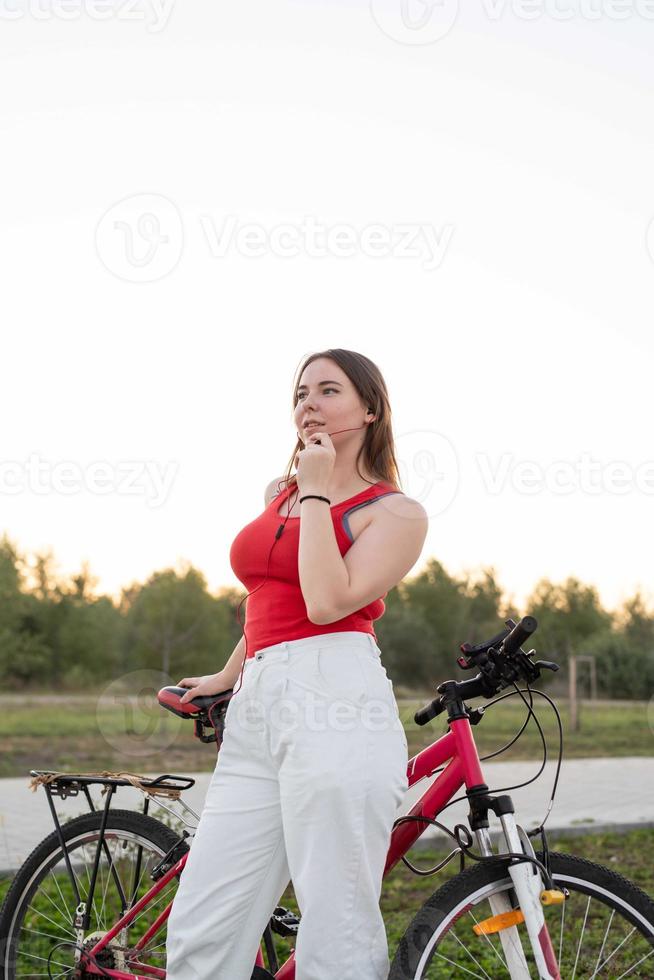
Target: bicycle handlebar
499 668
472 688
519 634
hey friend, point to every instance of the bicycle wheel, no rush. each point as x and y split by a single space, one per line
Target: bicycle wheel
604 929
39 909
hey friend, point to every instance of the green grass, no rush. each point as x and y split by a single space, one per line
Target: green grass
86 735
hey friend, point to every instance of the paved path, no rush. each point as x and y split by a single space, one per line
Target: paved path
592 794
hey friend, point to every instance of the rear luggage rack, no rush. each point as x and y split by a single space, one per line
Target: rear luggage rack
64 784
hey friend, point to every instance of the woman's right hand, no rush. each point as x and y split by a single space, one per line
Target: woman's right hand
203 686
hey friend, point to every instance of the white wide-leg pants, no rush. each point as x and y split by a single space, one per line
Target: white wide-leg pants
309 779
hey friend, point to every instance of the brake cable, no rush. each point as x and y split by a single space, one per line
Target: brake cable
465 847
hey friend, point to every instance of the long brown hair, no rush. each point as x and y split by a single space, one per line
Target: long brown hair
378 448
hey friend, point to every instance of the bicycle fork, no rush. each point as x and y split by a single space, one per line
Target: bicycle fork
528 887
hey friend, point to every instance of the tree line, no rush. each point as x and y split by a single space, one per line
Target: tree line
59 634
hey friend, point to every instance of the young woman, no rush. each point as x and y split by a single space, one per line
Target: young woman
312 766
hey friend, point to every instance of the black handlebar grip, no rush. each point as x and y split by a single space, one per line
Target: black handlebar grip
519 634
423 715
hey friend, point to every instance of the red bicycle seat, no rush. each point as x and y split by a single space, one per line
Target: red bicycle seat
170 698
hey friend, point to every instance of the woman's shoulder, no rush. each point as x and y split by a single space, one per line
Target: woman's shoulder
398 504
274 488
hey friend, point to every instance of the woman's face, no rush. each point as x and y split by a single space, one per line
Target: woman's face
326 394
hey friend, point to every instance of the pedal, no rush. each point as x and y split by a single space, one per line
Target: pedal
497 923
284 922
552 896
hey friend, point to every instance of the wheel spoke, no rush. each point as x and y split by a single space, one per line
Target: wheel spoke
632 968
466 950
118 844
138 884
48 935
54 976
618 947
103 906
581 938
151 905
112 866
606 936
459 966
491 944
84 893
52 921
64 911
561 935
44 959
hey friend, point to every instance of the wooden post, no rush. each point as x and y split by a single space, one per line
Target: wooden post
572 693
593 678
575 701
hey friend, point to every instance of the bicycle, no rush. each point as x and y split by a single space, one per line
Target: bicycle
518 912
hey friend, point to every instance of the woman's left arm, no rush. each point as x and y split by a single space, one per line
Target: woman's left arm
386 550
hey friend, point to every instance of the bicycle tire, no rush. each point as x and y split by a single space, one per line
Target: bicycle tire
125 825
432 945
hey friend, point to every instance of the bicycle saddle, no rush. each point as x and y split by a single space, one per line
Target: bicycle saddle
170 698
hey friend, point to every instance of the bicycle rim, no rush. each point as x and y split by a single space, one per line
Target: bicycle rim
40 907
605 929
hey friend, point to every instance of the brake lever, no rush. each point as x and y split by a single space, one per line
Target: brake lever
531 669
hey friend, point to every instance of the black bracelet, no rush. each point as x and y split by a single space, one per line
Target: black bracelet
314 496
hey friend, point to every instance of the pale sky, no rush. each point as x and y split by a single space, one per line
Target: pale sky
196 196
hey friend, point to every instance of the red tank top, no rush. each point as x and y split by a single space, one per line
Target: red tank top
277 611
